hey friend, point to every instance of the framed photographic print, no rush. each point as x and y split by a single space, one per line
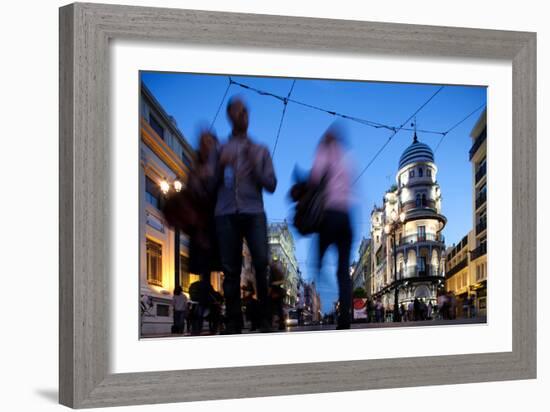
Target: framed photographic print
259 205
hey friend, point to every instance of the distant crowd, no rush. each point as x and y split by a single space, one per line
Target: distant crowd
421 309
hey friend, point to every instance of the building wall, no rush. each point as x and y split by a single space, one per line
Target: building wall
165 155
478 269
418 269
281 247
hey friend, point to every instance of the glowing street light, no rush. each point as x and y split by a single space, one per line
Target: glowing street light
164 186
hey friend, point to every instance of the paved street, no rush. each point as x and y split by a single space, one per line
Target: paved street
479 320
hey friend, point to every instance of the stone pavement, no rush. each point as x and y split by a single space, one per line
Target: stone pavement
313 328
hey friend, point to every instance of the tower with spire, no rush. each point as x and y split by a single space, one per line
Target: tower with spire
412 212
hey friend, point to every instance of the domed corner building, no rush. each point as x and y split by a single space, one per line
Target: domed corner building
411 214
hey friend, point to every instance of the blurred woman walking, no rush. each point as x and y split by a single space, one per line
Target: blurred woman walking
331 170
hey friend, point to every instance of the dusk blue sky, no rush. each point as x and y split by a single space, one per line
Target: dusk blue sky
193 100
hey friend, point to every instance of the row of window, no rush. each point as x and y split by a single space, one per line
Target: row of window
154 266
152 192
421 200
420 234
458 282
481 271
413 171
160 130
421 172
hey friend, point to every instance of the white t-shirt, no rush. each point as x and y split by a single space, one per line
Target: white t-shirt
180 302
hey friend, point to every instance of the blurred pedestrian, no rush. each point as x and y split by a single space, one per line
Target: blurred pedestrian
251 308
402 312
416 309
277 293
331 168
378 310
465 307
410 311
179 303
215 316
472 307
443 306
423 310
189 316
243 170
204 256
452 306
370 311
202 298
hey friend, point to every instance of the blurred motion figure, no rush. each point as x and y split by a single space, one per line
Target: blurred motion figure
244 170
331 169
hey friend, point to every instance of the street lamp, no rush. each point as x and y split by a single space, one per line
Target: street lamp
391 228
165 188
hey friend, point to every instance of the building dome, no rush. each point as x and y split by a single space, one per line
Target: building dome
416 152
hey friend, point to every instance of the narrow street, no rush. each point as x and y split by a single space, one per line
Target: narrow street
328 327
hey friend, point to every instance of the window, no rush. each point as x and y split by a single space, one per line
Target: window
482 164
152 192
154 262
423 201
482 218
418 200
429 172
481 272
411 173
422 266
156 126
420 172
421 232
163 310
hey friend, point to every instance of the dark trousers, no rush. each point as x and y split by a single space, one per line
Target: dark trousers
179 321
336 230
231 230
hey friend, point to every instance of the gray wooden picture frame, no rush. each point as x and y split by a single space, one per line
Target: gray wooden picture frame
85 32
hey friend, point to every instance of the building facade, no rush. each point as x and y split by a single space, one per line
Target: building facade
311 309
361 272
407 244
165 157
282 249
458 278
478 256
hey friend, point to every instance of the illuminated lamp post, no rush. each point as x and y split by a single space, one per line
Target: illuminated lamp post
165 188
390 229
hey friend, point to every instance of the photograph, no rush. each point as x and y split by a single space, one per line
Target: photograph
285 205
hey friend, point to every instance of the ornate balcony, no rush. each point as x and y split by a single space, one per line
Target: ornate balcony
458 267
479 251
481 199
481 172
480 227
477 143
412 239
